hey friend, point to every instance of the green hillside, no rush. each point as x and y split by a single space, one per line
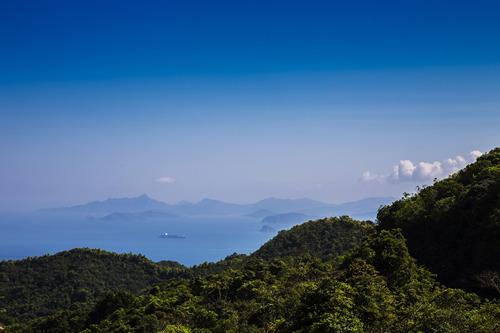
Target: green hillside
326 239
375 287
453 226
69 280
41 286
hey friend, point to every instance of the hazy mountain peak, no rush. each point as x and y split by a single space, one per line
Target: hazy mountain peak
111 205
208 201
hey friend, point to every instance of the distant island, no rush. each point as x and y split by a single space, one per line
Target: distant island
277 210
287 218
139 216
267 229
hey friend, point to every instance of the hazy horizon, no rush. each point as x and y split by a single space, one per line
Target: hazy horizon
239 102
199 201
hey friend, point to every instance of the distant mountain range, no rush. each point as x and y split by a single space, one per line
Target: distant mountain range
139 216
111 205
144 207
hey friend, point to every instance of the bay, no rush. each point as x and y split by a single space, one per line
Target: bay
208 238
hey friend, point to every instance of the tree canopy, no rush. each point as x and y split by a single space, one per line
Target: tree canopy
376 286
453 226
325 238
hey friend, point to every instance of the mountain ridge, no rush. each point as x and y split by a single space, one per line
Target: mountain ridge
459 219
111 205
208 206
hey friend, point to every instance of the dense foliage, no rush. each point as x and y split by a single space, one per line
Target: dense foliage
41 286
37 287
375 287
326 239
69 280
453 226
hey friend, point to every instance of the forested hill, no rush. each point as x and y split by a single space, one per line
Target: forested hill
453 226
375 287
325 239
41 286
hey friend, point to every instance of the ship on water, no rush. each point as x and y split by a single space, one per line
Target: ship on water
167 235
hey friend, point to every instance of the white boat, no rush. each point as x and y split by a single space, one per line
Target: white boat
167 235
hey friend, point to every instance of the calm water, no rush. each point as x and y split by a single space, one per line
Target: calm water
207 238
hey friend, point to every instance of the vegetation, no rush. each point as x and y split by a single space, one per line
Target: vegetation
329 275
375 287
41 286
70 280
453 226
325 239
38 287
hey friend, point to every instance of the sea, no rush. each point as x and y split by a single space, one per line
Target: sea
207 238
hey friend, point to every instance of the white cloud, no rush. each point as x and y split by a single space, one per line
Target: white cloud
422 171
406 169
451 165
426 171
367 177
165 180
475 154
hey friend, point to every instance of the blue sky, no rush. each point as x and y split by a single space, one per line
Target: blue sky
240 101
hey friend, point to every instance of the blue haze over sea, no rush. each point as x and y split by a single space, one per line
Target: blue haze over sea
212 229
207 238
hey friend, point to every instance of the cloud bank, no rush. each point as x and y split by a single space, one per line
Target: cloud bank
167 180
423 171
